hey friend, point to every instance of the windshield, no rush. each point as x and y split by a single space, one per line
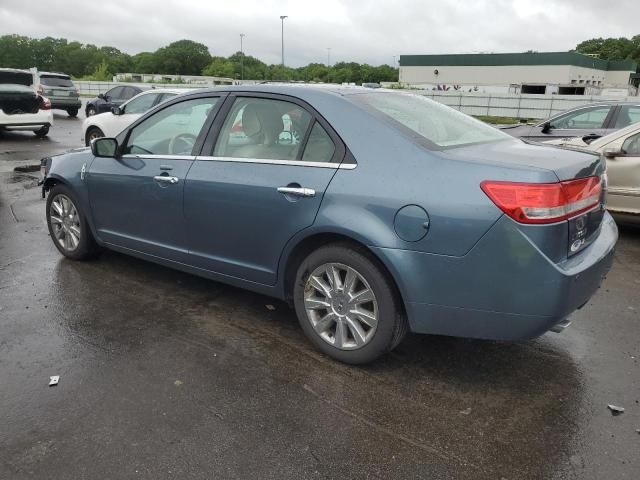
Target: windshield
54 81
440 125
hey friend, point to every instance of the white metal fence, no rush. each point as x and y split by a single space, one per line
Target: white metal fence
517 106
94 88
495 105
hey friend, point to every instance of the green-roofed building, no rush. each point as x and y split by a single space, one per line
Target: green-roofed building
564 73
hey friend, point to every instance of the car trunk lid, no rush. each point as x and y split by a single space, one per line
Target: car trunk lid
578 224
17 95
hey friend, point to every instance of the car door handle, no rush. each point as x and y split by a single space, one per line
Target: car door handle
166 179
297 191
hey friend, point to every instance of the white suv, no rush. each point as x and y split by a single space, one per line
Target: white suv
21 108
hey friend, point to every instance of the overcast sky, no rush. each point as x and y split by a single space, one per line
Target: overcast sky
358 30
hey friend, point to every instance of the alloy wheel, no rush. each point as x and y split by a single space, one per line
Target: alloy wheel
341 306
65 222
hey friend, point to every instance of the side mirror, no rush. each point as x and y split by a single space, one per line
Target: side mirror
546 127
104 147
101 96
611 152
117 110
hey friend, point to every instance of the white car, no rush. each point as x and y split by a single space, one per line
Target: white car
109 124
21 107
622 152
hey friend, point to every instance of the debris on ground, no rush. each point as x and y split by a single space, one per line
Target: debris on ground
466 411
177 383
270 307
53 381
615 410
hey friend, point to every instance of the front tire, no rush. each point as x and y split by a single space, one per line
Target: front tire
91 111
92 134
68 225
73 112
347 305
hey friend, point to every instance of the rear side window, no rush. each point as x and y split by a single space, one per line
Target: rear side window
55 81
627 115
320 147
263 128
439 125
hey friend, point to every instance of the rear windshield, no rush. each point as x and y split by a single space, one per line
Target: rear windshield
16 78
55 81
439 125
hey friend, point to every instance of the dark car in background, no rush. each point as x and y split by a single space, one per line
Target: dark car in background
372 212
112 98
588 121
61 91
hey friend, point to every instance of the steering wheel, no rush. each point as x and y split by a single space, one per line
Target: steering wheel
182 144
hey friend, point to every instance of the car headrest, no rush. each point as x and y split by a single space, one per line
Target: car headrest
259 119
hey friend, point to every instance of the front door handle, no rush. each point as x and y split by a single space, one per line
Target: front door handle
297 191
166 179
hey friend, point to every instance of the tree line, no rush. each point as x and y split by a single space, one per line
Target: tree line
184 57
612 48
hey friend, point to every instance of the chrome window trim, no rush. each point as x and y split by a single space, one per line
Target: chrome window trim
295 163
160 157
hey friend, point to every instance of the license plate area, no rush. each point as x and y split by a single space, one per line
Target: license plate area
583 229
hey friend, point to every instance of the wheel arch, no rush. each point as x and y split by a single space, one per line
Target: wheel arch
302 247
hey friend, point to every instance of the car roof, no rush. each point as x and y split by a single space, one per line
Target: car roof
168 90
294 88
16 70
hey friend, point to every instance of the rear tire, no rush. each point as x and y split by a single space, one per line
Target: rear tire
68 225
92 134
73 112
43 132
345 329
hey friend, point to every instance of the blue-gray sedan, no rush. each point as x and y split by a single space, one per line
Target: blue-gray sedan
372 212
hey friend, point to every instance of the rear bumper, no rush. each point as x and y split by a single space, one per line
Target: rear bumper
26 121
64 103
503 289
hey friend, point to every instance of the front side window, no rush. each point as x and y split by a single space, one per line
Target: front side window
141 104
628 114
115 92
592 117
439 125
172 130
631 145
129 92
264 129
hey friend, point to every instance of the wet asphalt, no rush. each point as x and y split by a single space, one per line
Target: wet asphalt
167 375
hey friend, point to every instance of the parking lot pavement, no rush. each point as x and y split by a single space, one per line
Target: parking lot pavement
166 375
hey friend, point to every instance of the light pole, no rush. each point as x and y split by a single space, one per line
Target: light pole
328 56
241 58
282 17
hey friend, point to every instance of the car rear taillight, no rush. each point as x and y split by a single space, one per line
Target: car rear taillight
544 202
45 103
